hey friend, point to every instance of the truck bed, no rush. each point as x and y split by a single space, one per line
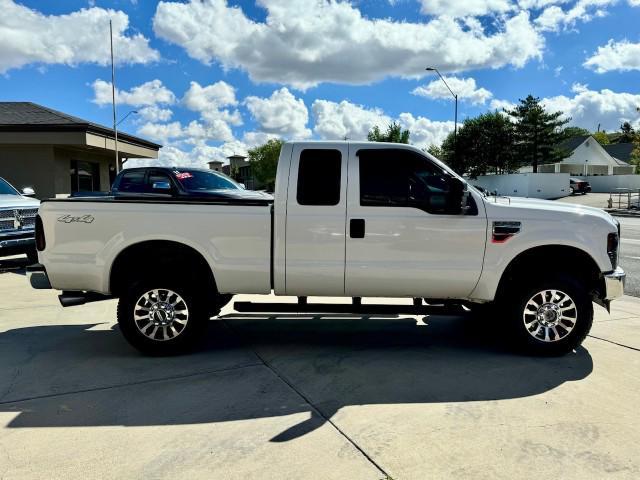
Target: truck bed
85 234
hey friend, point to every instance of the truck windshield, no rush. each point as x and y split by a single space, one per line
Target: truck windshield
201 181
6 188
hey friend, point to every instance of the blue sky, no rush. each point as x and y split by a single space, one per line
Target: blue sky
214 77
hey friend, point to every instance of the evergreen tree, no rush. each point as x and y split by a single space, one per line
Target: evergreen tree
537 133
627 133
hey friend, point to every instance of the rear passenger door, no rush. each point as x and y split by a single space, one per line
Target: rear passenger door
316 213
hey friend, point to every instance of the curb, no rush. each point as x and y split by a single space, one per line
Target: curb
623 213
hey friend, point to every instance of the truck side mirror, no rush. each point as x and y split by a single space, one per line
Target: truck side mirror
458 195
28 192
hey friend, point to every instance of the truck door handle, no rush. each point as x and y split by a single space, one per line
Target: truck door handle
356 228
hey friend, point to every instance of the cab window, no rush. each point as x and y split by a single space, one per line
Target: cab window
403 178
319 174
132 182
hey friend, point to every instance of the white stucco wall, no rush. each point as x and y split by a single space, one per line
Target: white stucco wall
609 183
533 185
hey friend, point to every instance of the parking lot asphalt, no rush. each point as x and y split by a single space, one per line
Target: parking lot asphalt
310 396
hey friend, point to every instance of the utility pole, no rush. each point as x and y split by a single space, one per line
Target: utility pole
113 98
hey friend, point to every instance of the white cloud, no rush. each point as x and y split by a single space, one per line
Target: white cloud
281 113
634 3
209 101
193 132
162 132
425 132
464 8
554 18
621 56
216 95
154 113
253 139
304 43
497 104
147 94
29 37
335 121
465 88
539 4
590 108
196 157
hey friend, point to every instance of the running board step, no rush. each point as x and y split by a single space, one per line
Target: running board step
381 309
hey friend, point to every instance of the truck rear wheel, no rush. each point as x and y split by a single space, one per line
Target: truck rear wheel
550 316
161 317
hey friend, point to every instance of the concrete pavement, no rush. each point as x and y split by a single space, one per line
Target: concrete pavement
310 396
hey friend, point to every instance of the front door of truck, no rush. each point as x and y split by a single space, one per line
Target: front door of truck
402 238
315 228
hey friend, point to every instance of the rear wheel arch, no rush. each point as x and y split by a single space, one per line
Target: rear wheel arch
158 257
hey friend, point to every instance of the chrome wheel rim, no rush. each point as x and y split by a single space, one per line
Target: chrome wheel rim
161 314
550 315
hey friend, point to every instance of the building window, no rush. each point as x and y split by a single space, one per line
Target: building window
85 176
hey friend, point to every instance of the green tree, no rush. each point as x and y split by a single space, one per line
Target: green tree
635 154
538 133
574 132
264 162
394 134
485 144
435 150
628 134
601 137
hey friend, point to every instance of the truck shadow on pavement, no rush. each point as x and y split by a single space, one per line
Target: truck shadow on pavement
257 366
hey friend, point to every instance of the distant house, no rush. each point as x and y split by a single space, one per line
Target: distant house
588 157
239 168
215 165
620 151
57 154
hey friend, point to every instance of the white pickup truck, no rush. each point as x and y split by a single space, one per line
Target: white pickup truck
347 220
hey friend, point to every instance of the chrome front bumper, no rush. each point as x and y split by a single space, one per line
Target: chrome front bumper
614 284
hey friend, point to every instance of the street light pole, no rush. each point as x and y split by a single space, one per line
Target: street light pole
455 97
125 117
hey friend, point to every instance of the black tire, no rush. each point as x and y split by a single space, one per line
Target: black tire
571 191
182 337
584 193
566 337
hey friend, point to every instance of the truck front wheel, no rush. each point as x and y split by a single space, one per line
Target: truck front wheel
162 318
549 316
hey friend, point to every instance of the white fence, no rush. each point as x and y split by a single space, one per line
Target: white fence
609 183
533 185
